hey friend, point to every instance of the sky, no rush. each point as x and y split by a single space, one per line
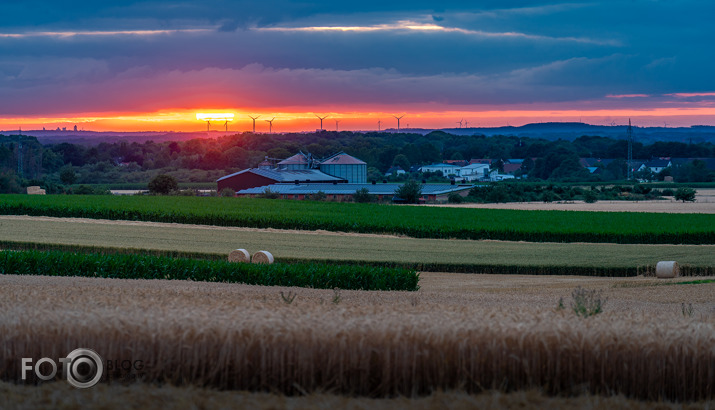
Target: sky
152 65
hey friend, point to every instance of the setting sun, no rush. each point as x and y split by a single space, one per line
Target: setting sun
214 117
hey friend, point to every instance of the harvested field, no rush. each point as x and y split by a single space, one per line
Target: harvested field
492 332
461 255
672 207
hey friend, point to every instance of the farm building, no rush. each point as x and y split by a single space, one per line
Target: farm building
253 177
474 172
344 192
344 166
445 169
303 168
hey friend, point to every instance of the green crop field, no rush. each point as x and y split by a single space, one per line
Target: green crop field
414 221
313 275
289 246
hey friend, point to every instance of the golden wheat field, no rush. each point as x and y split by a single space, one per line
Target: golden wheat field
464 333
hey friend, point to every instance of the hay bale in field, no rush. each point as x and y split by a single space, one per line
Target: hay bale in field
239 255
35 190
667 269
262 257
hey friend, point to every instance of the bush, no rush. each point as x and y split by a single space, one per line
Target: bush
590 197
587 302
454 198
318 196
227 192
268 194
184 192
84 190
685 194
163 184
362 195
548 196
667 192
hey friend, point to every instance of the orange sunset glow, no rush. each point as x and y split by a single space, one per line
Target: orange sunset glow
239 120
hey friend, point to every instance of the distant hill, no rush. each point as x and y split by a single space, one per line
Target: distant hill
572 130
547 130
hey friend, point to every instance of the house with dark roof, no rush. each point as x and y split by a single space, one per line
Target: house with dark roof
395 170
656 165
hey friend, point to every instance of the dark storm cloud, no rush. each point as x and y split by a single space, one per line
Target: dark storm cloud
488 52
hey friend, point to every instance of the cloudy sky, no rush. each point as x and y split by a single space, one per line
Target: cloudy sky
152 65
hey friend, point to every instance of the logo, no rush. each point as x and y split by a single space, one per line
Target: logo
83 368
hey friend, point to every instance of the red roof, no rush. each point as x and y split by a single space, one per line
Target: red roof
509 168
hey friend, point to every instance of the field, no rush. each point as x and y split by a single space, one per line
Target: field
458 332
420 222
461 340
425 254
132 266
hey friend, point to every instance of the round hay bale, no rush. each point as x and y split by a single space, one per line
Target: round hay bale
262 257
239 255
667 269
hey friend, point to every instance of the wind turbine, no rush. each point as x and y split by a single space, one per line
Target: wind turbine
466 123
460 122
208 125
321 120
378 125
254 122
336 125
398 120
270 124
225 124
665 125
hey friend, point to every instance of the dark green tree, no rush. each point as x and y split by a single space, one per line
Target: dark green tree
67 175
410 191
685 194
401 161
163 184
362 195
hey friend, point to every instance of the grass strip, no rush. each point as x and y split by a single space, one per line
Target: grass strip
413 221
143 266
500 269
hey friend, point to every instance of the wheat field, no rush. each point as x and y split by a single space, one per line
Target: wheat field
375 344
62 396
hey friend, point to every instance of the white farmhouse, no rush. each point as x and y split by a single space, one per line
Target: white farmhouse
445 169
474 172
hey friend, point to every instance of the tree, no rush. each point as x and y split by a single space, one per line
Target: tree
67 175
590 196
362 195
410 192
685 194
402 162
163 184
454 198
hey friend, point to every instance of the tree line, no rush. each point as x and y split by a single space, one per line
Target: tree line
204 160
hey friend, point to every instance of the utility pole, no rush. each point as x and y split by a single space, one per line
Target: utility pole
630 150
19 154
